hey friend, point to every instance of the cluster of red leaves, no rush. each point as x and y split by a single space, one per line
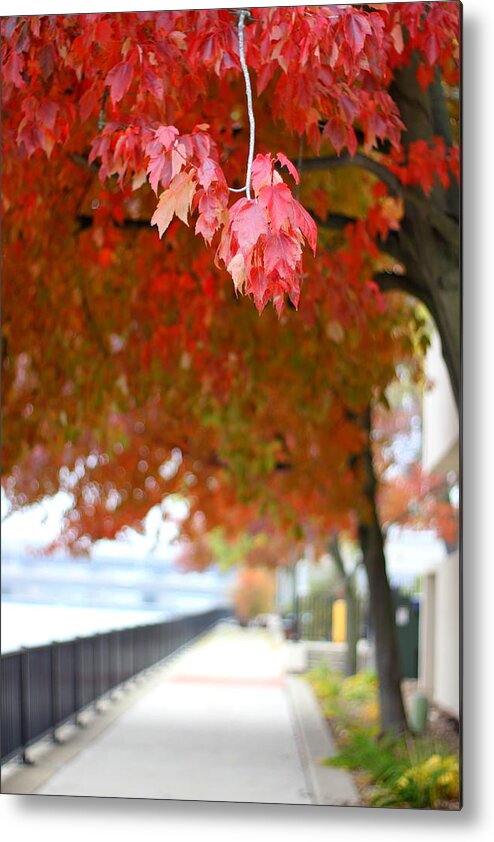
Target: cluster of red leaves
425 164
128 320
187 168
332 64
261 243
261 238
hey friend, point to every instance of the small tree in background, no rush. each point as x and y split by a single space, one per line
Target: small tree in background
254 593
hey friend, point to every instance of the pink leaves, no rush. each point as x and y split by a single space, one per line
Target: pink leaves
336 130
159 168
261 244
285 162
166 136
183 166
357 27
261 238
248 223
277 200
282 254
212 215
262 172
152 83
209 172
119 80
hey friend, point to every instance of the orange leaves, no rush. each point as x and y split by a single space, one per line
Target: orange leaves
128 89
420 501
254 593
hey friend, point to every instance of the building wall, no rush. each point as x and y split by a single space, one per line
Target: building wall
447 642
439 636
439 631
439 414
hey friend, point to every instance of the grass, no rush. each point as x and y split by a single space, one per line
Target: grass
406 771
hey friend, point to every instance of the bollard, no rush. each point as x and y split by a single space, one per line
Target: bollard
419 713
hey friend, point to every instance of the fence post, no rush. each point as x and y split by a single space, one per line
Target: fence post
55 679
25 706
96 671
77 680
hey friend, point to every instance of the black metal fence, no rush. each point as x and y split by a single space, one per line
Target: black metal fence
45 686
311 618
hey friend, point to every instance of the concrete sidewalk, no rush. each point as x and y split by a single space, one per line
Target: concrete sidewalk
220 722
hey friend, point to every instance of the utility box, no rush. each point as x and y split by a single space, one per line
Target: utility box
407 626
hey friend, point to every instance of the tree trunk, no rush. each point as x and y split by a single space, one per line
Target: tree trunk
428 241
393 717
352 612
352 621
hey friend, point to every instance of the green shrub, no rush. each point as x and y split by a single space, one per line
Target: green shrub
326 684
376 757
403 771
361 687
352 699
423 785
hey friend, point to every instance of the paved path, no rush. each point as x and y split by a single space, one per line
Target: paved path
220 723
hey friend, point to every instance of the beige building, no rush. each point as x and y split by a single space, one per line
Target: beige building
439 630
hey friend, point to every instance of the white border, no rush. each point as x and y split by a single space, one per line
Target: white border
75 819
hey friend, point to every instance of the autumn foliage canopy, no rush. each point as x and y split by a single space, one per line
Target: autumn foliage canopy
136 240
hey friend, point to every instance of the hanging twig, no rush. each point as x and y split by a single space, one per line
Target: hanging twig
299 165
242 15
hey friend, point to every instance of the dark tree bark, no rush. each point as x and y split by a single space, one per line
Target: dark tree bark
393 717
429 238
352 607
428 242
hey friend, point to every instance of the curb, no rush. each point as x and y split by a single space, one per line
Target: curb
327 785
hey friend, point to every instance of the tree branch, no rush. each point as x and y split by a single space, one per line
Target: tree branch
334 549
334 162
83 162
393 282
85 221
445 225
333 222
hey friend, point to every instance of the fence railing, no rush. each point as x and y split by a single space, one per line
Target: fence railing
45 686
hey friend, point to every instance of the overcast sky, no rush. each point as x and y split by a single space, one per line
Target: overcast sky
36 526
